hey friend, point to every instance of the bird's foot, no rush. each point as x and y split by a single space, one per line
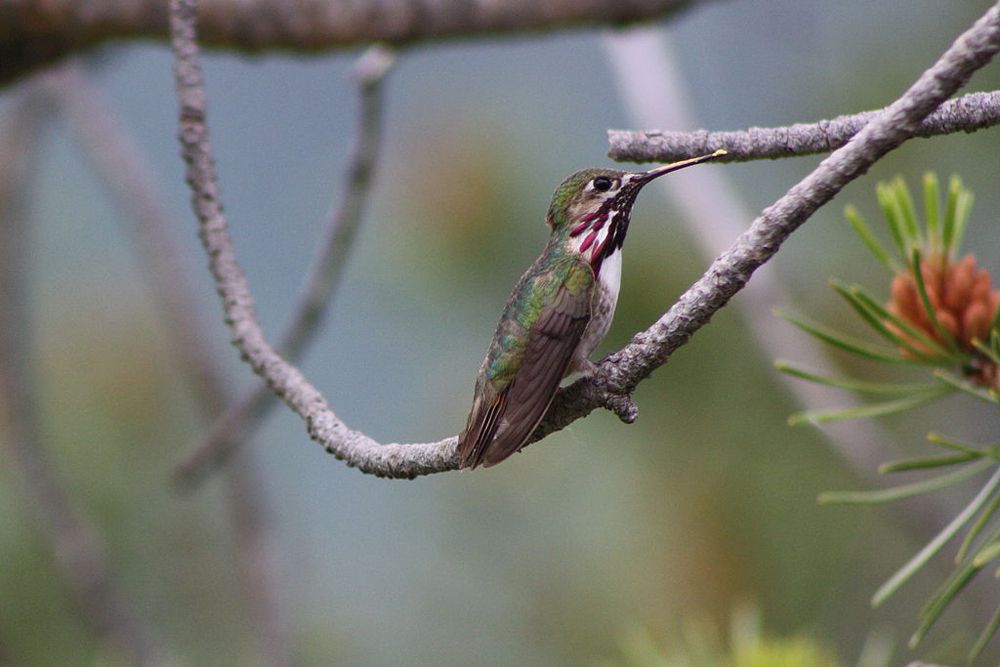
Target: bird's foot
586 367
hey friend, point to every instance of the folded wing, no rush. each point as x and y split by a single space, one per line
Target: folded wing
502 421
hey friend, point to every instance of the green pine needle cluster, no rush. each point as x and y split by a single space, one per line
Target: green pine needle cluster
955 366
702 645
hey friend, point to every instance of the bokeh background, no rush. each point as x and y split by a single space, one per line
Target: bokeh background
602 538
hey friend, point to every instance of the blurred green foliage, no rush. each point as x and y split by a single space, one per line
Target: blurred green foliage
700 645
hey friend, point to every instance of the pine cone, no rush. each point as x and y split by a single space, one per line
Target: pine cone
961 295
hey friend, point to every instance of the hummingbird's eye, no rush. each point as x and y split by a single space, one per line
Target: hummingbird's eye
602 183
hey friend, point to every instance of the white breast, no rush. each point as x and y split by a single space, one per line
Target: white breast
602 309
611 276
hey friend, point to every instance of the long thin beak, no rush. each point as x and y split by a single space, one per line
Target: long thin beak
675 166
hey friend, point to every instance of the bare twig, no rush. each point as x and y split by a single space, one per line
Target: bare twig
35 33
653 90
77 547
650 349
968 113
617 375
238 421
258 561
120 162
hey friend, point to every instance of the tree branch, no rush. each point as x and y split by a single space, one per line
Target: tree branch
648 350
35 33
968 113
79 552
119 161
617 375
653 89
242 415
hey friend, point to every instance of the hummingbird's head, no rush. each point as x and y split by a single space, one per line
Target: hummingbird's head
590 210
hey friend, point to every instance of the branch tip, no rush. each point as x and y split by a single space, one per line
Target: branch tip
969 113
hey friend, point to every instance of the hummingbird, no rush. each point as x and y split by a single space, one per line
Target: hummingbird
559 312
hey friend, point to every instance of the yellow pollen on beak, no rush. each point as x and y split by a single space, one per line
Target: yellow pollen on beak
674 166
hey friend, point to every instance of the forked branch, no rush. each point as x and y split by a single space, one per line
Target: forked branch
119 162
239 418
968 113
79 552
617 375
